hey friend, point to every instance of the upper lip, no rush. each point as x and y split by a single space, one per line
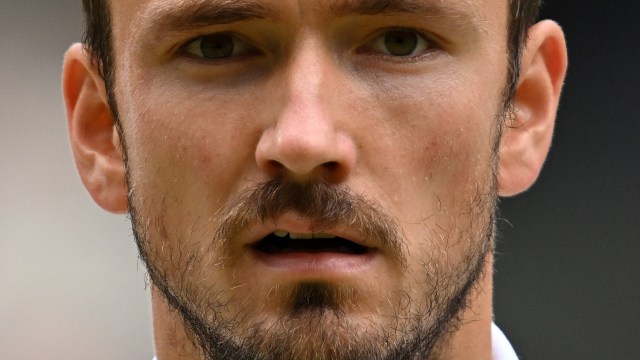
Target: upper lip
297 224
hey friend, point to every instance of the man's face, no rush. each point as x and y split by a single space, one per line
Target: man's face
252 126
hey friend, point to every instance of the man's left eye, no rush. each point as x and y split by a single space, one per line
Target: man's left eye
218 46
399 43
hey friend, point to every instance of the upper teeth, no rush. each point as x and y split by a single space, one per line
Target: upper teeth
282 233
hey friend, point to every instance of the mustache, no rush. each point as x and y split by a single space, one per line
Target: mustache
324 205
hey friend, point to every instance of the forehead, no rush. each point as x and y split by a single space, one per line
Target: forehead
143 15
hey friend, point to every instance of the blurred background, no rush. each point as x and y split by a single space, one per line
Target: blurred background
568 269
71 286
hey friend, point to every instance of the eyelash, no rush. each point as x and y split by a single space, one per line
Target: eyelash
240 47
425 44
243 48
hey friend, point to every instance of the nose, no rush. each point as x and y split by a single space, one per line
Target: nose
308 139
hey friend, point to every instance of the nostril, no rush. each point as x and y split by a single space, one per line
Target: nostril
274 164
274 168
331 165
333 171
329 155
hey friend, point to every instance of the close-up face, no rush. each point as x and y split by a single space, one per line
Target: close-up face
238 118
313 179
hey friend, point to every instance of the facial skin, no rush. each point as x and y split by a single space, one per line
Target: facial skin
315 121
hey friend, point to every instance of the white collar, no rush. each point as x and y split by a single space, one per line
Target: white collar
502 349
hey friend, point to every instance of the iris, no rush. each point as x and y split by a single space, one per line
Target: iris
401 42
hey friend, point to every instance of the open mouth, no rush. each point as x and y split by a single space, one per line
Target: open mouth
282 242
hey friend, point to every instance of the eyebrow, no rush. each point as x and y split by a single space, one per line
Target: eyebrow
462 9
462 15
187 14
193 14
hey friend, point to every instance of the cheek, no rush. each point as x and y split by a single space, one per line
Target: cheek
433 147
187 148
454 164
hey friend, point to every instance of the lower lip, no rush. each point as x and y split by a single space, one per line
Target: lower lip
301 263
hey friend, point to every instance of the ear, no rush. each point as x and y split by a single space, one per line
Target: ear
94 140
527 136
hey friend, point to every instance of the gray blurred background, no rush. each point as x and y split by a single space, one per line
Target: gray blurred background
568 272
71 286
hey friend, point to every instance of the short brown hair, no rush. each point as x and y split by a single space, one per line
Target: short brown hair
97 39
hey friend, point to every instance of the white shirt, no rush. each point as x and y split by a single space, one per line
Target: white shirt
502 349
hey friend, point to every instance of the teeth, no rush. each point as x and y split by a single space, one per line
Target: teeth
301 236
323 236
281 233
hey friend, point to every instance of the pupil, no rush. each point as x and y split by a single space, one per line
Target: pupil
401 42
216 46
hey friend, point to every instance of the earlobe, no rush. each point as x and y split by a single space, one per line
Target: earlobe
527 135
94 140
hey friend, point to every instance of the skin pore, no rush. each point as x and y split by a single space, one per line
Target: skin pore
382 126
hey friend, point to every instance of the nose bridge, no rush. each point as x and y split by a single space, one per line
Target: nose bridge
306 138
308 86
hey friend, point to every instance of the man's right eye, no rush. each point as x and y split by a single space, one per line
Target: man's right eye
400 43
218 47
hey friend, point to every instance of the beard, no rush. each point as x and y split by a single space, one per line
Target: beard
315 319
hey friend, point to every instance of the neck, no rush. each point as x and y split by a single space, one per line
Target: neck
470 341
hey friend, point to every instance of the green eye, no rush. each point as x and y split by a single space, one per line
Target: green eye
218 46
400 43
